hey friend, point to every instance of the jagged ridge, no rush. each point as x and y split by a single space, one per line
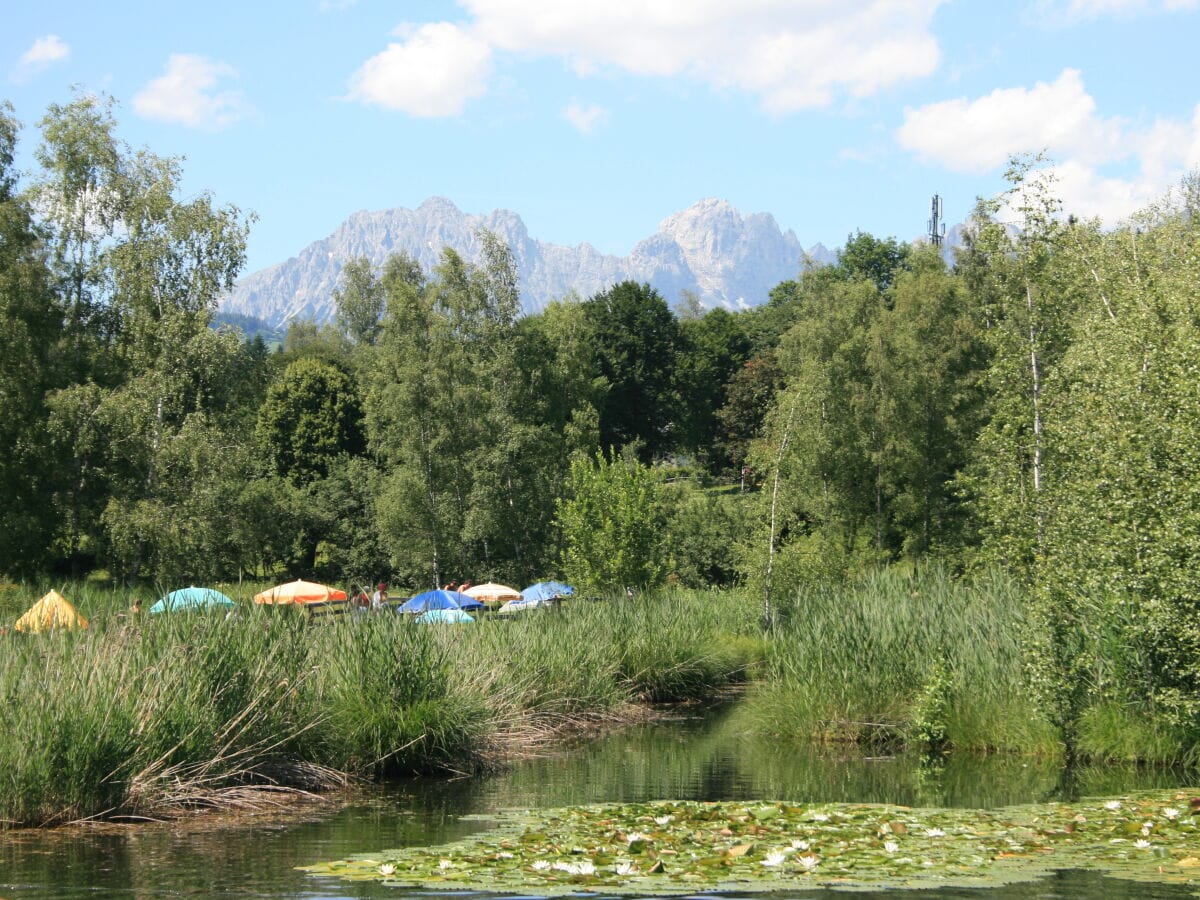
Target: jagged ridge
726 258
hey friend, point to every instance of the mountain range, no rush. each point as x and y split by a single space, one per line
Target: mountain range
725 258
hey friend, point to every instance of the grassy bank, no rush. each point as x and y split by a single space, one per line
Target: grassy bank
133 717
143 716
896 658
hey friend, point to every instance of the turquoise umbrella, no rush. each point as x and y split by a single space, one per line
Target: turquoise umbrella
190 599
447 616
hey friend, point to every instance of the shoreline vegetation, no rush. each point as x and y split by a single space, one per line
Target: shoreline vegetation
155 715
908 501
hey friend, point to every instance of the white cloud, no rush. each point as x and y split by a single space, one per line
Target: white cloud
791 54
979 136
45 52
585 118
184 94
433 72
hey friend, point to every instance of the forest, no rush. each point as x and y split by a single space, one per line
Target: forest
1029 412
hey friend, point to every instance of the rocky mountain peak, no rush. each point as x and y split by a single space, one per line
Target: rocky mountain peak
709 248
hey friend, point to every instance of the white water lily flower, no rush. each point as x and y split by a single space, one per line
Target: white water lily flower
586 867
1113 804
799 845
774 858
663 820
1171 813
1142 844
444 864
934 832
891 846
540 865
636 836
809 861
1146 828
820 817
625 868
387 869
504 854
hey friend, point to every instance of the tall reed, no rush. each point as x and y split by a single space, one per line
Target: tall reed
907 658
140 714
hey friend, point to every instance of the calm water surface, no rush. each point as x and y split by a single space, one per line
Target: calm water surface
703 758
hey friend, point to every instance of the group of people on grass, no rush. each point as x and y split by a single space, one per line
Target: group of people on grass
379 600
363 602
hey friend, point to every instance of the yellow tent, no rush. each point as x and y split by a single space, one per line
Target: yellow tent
52 611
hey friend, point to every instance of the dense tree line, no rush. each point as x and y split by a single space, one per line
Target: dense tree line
1033 407
427 433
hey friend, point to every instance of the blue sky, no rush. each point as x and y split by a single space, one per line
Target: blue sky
595 120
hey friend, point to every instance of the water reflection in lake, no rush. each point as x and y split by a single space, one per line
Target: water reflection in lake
704 759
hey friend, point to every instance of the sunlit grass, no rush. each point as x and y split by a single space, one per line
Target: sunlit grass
902 659
142 713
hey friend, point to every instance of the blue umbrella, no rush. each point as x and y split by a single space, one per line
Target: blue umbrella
190 599
446 616
439 600
547 590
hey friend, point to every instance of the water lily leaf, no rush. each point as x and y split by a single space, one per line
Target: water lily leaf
557 852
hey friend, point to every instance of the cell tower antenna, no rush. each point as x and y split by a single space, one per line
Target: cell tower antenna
937 227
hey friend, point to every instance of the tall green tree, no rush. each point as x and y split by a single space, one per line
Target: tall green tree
1028 312
866 257
359 301
1115 605
928 357
636 341
612 523
712 349
139 272
30 322
311 415
446 417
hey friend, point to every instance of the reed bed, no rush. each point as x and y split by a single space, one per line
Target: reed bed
141 716
900 658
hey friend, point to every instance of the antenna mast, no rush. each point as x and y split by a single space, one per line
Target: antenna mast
937 227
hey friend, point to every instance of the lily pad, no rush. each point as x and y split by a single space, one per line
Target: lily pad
681 847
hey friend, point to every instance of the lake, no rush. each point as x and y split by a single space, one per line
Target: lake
697 756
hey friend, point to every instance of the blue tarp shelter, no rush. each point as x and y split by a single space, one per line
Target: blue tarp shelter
439 600
516 606
446 616
190 599
547 590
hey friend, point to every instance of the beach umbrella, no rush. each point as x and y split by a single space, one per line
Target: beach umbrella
299 592
547 590
444 616
439 600
50 612
190 599
492 593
